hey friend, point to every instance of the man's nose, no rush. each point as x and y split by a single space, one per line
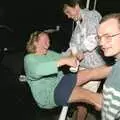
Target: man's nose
102 41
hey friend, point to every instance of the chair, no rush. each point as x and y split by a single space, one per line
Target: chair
63 113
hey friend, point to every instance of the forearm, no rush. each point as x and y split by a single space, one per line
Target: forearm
69 61
83 95
61 62
100 72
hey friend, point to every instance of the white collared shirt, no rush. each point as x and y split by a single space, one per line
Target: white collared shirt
83 38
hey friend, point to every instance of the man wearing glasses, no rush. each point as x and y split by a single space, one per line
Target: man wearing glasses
109 41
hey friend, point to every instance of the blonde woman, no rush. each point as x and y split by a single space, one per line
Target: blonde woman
49 86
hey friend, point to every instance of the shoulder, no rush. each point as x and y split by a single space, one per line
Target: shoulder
117 65
92 14
96 14
29 57
53 53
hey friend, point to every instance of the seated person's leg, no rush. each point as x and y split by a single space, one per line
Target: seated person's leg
68 92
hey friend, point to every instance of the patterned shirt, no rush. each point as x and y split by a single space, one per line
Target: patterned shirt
111 95
83 38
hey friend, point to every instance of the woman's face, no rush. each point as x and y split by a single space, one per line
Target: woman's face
43 43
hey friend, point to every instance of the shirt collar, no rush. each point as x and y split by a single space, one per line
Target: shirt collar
82 14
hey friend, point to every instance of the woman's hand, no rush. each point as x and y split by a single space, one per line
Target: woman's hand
72 61
69 61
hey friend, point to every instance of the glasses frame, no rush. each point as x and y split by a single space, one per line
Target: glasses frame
106 36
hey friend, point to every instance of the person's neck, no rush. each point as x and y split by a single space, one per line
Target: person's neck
41 52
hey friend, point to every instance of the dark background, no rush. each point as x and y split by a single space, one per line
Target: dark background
24 17
17 20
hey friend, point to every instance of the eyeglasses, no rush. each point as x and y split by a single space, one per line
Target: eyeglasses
106 37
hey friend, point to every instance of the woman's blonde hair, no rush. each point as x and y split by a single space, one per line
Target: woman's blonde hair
30 47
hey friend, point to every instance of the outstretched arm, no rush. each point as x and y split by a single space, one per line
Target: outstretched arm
98 73
69 61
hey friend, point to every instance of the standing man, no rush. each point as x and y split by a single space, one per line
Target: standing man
83 39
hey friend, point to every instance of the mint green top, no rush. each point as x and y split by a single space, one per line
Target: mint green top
43 76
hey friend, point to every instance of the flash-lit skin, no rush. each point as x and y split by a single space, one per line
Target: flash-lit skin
72 12
110 47
42 44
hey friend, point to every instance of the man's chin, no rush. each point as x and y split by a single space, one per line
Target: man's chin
108 55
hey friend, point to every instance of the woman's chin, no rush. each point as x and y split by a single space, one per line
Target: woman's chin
45 52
